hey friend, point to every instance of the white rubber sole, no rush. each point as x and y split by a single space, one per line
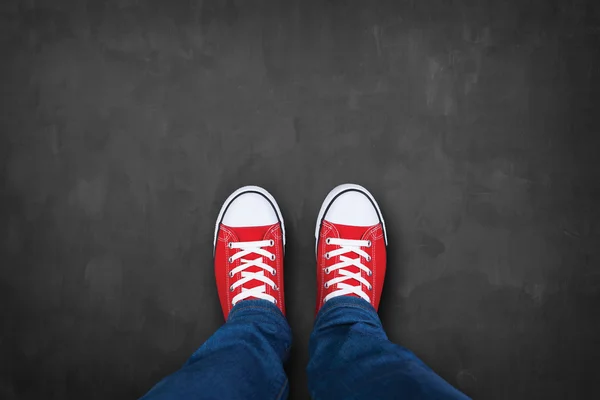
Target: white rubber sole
246 189
334 194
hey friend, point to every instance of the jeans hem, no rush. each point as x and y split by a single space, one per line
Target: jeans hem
256 305
349 302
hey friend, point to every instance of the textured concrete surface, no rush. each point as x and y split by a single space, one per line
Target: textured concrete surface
125 124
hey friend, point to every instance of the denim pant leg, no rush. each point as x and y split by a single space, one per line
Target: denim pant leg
352 358
242 360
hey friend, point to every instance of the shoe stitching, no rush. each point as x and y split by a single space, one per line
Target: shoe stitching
325 230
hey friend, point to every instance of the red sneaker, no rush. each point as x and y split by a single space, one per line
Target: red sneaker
248 248
351 246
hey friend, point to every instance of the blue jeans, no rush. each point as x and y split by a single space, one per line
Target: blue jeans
350 358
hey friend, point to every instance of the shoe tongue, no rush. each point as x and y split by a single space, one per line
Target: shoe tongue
250 233
351 232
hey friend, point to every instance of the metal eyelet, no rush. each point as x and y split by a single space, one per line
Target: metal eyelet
369 243
328 240
231 288
230 245
369 258
230 260
327 270
275 287
327 256
231 274
273 257
370 273
326 286
271 243
370 287
274 272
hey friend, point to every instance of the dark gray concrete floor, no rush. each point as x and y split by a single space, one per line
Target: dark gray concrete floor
125 124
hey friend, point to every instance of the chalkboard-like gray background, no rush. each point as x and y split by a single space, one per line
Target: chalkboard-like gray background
125 124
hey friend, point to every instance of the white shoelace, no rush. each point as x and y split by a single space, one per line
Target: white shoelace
248 248
347 246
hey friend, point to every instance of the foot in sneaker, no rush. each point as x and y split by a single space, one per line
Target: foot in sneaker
351 246
248 249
